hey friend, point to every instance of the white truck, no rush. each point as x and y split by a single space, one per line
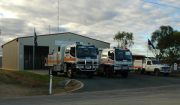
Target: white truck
74 59
115 61
154 66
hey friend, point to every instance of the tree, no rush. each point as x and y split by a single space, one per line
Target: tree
124 39
167 41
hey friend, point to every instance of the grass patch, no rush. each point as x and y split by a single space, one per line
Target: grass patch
31 83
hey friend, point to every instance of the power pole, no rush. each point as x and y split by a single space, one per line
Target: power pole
34 47
33 52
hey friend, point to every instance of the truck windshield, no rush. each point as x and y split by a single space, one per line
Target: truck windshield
123 55
119 55
155 62
127 55
86 52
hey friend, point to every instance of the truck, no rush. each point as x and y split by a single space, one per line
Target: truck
75 58
138 65
138 62
115 61
151 65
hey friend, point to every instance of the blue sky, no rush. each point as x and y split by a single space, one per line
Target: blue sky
97 19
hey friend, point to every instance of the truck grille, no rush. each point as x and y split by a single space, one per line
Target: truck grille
166 68
87 65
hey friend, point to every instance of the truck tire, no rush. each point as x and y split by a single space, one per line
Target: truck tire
100 71
156 72
108 72
105 71
69 72
65 70
124 74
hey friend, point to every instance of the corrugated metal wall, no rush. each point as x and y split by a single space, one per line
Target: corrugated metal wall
10 55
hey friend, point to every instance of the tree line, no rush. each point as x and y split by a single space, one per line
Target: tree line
165 42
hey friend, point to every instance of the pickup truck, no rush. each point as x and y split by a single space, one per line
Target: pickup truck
154 66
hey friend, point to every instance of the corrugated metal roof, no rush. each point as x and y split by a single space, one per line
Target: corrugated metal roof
54 34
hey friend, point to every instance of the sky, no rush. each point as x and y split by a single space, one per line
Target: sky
98 19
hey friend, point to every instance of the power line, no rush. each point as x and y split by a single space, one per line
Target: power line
165 5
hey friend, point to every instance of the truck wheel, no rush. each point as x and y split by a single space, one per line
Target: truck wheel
156 72
124 74
105 71
108 72
69 72
100 71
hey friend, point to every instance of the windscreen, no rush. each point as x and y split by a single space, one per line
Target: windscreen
128 55
123 55
119 55
86 52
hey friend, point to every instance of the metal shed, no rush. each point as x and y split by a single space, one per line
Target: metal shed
18 53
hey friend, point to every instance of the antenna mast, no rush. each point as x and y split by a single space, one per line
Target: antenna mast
58 16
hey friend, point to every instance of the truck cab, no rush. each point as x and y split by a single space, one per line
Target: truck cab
155 66
115 61
77 58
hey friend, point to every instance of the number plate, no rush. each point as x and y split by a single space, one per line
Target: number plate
88 67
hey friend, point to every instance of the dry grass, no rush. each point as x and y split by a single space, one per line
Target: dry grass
22 83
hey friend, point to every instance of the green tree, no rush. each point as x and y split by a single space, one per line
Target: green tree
167 41
124 39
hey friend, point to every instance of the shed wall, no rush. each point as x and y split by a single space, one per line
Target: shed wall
10 56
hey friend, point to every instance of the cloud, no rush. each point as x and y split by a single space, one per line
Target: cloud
94 18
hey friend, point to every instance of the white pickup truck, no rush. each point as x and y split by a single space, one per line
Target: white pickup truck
154 66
